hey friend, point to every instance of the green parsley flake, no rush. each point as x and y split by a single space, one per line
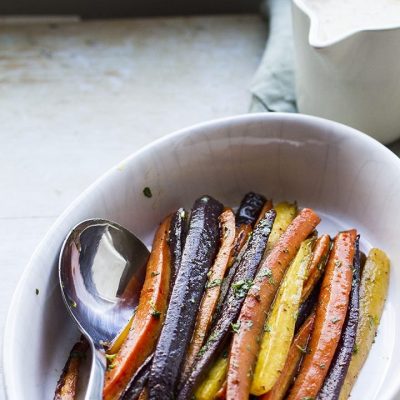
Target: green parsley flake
236 327
267 328
214 283
147 192
240 288
111 357
154 313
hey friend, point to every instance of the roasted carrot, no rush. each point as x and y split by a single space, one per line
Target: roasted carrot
339 366
67 384
317 265
201 247
208 389
249 209
222 330
307 307
242 235
148 318
296 353
279 326
285 213
330 316
245 346
212 290
373 292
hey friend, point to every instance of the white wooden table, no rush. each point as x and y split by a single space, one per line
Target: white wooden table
77 97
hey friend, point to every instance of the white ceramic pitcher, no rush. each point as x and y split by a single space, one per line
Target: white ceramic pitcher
354 79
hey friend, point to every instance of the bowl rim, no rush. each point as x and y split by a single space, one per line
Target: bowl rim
11 321
314 24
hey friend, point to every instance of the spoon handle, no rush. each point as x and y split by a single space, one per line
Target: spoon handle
96 379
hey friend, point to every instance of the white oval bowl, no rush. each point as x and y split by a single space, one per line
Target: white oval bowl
349 178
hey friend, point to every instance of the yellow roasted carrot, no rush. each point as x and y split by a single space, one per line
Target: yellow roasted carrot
373 291
245 345
210 386
285 213
279 328
293 361
120 338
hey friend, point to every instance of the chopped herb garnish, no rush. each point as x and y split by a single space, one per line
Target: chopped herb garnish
214 283
236 327
240 288
322 366
154 312
265 272
111 366
147 192
153 274
73 304
111 357
334 320
267 328
355 348
202 350
308 398
212 337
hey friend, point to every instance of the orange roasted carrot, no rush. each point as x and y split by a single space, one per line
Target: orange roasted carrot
67 384
212 291
148 319
330 315
245 345
317 265
296 353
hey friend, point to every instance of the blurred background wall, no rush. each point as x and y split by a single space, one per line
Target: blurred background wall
126 8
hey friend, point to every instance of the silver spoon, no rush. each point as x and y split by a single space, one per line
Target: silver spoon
101 269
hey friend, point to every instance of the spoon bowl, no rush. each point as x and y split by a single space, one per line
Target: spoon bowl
102 268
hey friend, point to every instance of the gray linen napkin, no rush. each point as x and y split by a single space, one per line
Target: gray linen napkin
273 84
